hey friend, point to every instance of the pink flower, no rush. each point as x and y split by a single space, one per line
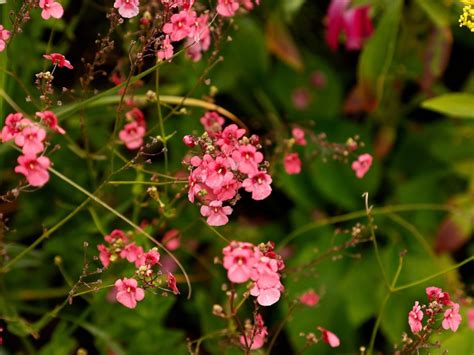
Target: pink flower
362 165
355 23
212 122
228 187
216 171
50 120
267 286
452 318
172 239
247 158
127 8
199 39
166 50
229 138
298 136
435 293
51 9
414 318
180 25
329 337
14 124
309 298
227 8
59 60
35 169
132 135
115 236
135 114
31 139
4 36
239 259
292 163
215 213
301 98
470 318
172 283
104 255
259 185
256 336
128 293
149 258
188 140
131 252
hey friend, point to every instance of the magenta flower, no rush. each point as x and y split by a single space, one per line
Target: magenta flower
298 136
104 255
4 36
180 25
128 292
31 139
216 214
247 159
149 258
309 298
437 294
172 283
59 60
355 23
292 163
49 119
227 8
452 318
259 185
115 236
362 165
166 50
414 318
229 138
35 169
51 9
132 135
329 337
239 259
127 8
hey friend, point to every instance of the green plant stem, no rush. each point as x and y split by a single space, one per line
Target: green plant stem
280 327
151 183
215 231
126 220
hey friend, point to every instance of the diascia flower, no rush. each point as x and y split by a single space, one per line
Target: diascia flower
59 60
4 36
292 163
35 169
128 292
362 165
452 318
329 338
127 8
414 318
51 8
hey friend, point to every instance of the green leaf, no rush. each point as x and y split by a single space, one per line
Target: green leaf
453 104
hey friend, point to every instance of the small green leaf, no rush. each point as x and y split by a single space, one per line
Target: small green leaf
454 104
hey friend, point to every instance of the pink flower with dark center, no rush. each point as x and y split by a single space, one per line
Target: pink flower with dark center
298 136
131 252
228 187
132 135
309 298
166 50
59 60
227 8
414 318
149 258
49 119
435 293
239 259
14 124
216 171
51 9
329 337
229 137
355 23
247 159
135 114
35 169
452 318
4 36
31 139
127 8
172 283
128 292
180 26
292 163
362 165
104 255
212 122
188 140
199 39
259 185
115 236
216 213
267 286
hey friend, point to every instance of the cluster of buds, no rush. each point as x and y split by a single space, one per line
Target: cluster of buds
148 273
226 162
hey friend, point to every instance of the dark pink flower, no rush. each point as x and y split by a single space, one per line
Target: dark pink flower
127 8
247 158
452 318
212 122
239 259
188 140
199 39
259 185
329 337
31 140
4 36
216 213
229 138
51 9
35 169
128 292
292 163
227 8
148 259
437 294
180 26
172 283
14 124
135 114
50 120
298 136
166 50
104 255
362 165
414 318
132 135
59 60
309 298
115 236
216 171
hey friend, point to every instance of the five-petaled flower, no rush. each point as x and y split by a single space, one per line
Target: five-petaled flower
35 169
414 318
51 8
127 8
59 60
128 292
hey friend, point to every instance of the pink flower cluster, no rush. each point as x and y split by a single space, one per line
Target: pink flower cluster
440 303
292 161
228 8
260 264
255 335
228 161
355 23
146 263
30 137
4 36
134 131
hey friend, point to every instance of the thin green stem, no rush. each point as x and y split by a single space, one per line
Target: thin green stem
377 323
215 231
151 183
163 137
280 327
